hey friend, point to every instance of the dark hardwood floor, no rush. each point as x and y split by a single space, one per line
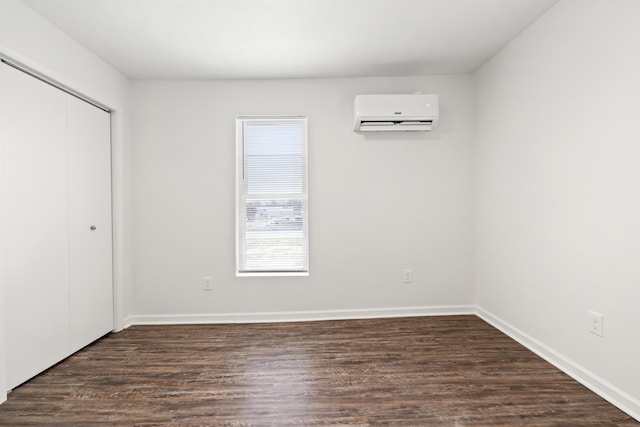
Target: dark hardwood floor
420 371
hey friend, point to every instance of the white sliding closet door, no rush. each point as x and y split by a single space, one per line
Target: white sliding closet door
33 140
56 223
90 280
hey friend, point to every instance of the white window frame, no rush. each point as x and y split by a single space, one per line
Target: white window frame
242 194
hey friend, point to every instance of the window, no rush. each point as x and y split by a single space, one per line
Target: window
271 203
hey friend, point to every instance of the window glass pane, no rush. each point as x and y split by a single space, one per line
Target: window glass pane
275 238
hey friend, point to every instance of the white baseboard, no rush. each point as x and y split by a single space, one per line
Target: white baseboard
297 316
604 389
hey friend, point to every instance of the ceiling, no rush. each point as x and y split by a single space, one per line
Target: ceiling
267 39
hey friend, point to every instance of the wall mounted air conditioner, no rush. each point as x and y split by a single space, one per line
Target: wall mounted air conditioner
380 113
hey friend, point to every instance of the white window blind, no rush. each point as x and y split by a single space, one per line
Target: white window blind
272 226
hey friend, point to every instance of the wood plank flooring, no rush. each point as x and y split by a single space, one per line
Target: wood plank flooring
420 371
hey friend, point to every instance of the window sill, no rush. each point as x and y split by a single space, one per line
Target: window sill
273 274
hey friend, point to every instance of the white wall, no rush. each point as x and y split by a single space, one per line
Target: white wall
27 38
558 190
379 203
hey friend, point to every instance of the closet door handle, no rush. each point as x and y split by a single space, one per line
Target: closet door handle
93 227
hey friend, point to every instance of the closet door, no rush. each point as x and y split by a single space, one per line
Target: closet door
90 260
55 154
33 144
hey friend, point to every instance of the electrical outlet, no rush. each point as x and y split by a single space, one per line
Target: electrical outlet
407 276
206 283
595 323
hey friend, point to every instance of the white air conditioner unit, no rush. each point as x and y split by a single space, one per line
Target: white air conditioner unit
379 113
